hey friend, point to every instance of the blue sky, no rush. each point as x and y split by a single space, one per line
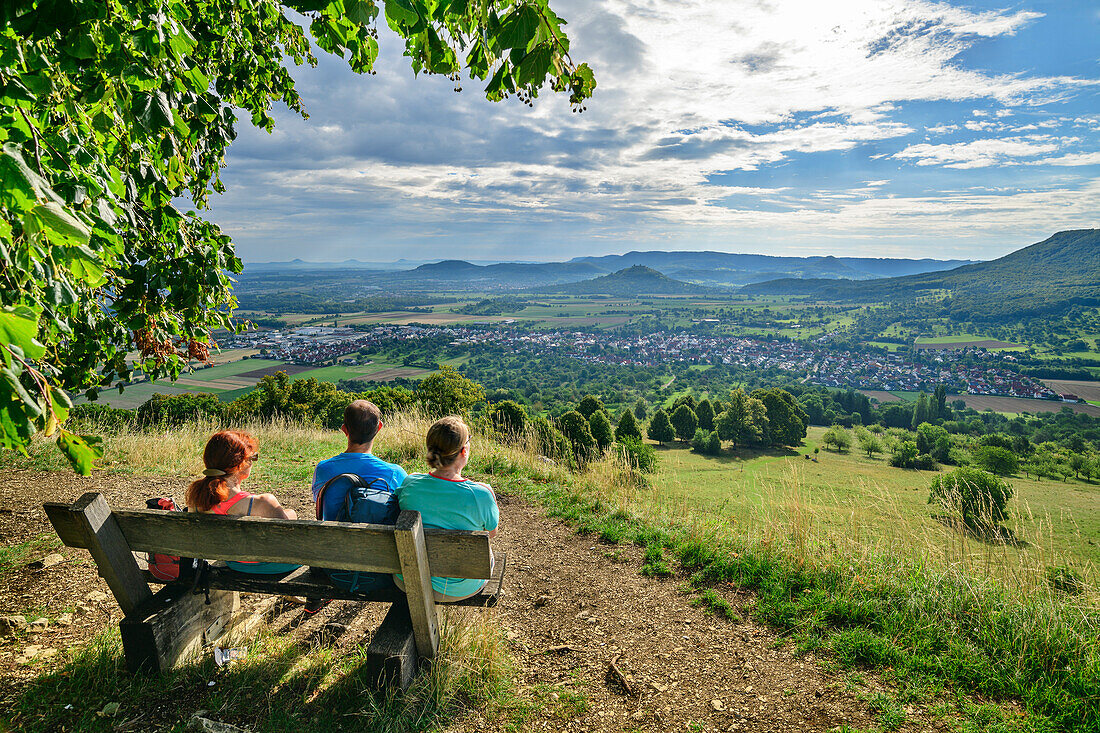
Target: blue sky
893 128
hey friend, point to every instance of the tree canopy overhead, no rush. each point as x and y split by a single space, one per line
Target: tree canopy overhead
111 110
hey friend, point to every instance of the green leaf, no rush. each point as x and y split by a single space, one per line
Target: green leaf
361 11
532 69
82 451
60 403
14 386
519 27
19 327
401 12
54 218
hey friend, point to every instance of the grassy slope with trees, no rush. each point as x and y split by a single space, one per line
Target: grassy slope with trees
1045 278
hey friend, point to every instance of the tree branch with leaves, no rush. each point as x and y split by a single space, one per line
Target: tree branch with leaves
112 110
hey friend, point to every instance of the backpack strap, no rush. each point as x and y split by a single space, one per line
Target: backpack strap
354 478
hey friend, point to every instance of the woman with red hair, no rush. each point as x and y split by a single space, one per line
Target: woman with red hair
228 458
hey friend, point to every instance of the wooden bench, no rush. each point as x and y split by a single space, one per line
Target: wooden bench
165 628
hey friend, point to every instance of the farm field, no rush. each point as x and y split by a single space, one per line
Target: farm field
848 497
1086 390
965 342
1008 405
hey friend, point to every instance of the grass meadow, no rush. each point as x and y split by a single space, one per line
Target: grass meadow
841 556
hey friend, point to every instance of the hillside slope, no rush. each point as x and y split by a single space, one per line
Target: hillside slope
1044 278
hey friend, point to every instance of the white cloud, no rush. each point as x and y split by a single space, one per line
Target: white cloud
978 153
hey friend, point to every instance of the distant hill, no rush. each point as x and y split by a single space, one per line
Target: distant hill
635 280
738 269
1045 278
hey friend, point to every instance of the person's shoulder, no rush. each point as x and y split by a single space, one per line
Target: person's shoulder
479 489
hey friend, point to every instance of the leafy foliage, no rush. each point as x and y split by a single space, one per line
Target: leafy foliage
977 496
628 429
995 459
637 455
575 428
449 393
660 428
508 418
684 421
112 111
600 426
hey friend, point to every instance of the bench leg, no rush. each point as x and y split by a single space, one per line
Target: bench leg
391 656
174 626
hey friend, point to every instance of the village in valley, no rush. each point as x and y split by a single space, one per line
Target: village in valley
984 372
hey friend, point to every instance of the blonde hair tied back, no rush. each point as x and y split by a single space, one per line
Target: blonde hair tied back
446 438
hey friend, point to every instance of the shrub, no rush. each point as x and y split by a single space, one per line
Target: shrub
177 409
685 421
574 427
636 455
101 416
549 441
508 418
448 393
904 455
600 427
589 405
628 427
977 496
660 428
706 442
996 459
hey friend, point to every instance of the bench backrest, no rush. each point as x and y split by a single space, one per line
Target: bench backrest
338 545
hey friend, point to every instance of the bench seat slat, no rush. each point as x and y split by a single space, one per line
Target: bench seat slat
339 545
315 584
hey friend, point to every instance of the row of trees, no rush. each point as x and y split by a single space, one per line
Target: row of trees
768 417
997 453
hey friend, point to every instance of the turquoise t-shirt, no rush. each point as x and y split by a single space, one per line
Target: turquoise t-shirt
446 504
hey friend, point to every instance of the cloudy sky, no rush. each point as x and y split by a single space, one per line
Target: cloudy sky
866 127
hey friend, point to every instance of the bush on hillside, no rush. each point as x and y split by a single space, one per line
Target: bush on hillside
977 497
904 454
660 428
574 427
549 441
996 459
508 418
448 393
684 422
628 428
96 415
706 442
636 455
170 410
600 426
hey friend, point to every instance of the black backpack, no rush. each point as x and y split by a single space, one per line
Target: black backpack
368 501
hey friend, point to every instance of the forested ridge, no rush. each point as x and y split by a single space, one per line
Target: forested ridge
1045 278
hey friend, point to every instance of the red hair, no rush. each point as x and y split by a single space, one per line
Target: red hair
231 451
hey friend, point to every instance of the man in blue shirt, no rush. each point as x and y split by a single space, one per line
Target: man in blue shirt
362 422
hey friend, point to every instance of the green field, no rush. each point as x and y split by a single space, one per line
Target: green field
850 497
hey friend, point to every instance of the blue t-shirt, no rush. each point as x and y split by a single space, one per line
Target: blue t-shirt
367 465
445 504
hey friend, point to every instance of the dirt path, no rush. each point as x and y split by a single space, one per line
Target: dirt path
571 606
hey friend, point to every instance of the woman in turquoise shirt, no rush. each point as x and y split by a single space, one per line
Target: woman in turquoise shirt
446 500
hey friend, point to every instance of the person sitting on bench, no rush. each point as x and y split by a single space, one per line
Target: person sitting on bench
446 500
228 458
362 423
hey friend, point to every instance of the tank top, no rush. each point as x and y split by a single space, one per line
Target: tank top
223 507
250 566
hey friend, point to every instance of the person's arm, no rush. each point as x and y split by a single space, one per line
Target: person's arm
266 505
492 516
